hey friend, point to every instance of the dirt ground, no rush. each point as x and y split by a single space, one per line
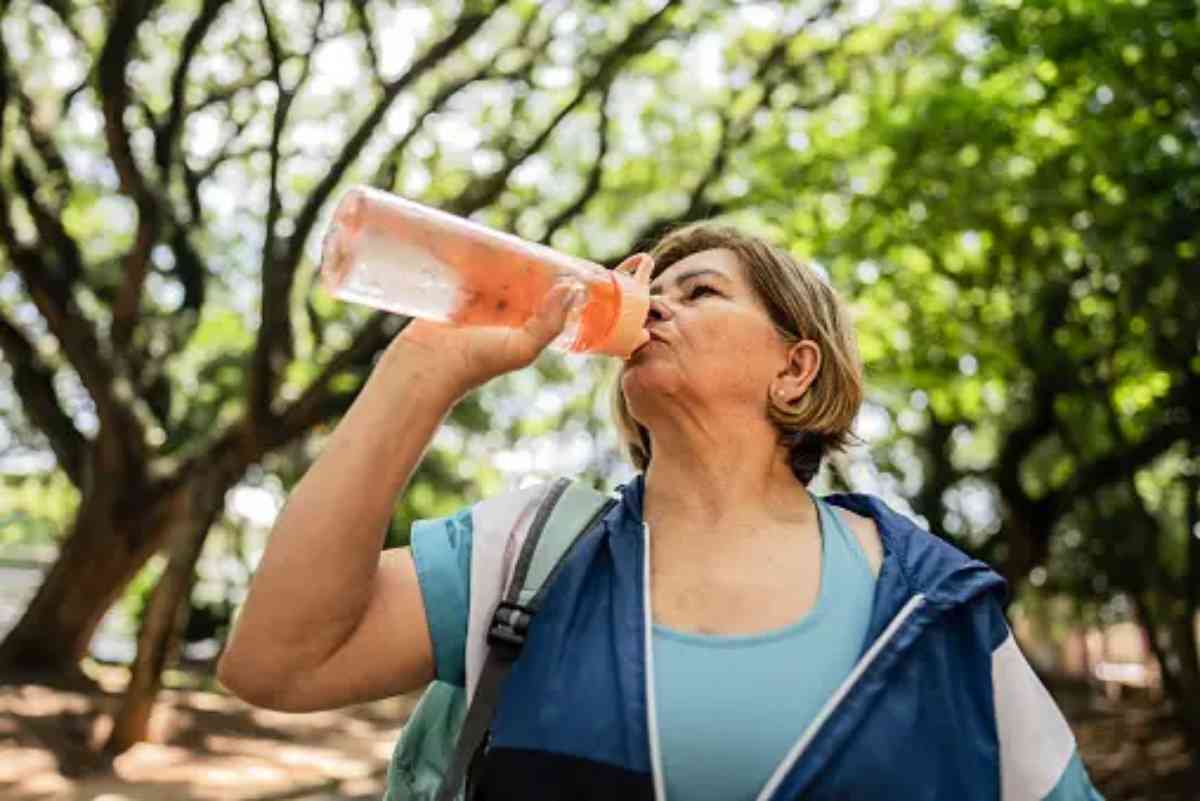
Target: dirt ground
208 745
1132 749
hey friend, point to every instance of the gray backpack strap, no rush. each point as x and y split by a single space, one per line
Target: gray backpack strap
568 510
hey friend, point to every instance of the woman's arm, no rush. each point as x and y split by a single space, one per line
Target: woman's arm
329 619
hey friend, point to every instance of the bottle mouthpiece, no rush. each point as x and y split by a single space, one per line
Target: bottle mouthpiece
630 332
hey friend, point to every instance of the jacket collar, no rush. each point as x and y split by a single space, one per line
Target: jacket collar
915 561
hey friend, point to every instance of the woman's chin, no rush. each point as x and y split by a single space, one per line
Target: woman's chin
647 381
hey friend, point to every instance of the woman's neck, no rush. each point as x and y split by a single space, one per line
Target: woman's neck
725 484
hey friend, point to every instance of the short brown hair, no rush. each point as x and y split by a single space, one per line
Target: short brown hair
802 305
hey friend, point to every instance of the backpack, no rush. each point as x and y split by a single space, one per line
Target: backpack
440 746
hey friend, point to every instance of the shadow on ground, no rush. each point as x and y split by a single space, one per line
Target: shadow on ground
208 746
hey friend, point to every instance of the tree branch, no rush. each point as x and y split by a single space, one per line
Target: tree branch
276 317
226 93
736 132
153 381
463 30
1127 457
49 286
49 226
363 17
483 192
64 106
114 91
283 105
193 178
62 10
317 403
164 144
373 335
592 185
52 297
43 144
386 174
34 384
273 345
228 154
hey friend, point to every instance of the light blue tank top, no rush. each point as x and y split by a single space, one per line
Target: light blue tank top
730 707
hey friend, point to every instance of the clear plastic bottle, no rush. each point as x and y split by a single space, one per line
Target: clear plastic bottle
403 257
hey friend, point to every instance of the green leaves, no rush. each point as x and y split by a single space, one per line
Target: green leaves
1007 193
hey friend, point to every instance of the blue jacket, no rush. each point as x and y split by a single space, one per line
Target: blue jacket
941 705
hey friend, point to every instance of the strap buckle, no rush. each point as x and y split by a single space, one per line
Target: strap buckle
510 624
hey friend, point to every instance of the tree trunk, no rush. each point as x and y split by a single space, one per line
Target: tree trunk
1173 642
99 558
1187 679
195 509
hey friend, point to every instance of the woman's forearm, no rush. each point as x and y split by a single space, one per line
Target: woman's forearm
311 588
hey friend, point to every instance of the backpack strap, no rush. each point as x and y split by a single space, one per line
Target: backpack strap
568 510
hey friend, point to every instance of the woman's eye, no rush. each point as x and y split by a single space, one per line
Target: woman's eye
699 290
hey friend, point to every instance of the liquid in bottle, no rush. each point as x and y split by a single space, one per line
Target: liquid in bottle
403 257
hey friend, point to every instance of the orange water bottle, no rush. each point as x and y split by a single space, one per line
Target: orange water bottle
403 257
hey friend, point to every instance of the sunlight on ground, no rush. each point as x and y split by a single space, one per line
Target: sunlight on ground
301 758
211 748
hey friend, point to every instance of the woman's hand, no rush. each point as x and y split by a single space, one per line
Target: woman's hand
474 355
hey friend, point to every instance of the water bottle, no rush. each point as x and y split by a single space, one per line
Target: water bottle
403 257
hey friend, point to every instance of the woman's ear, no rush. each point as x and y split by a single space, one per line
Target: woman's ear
803 364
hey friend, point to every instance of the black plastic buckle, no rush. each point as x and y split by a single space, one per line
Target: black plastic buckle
510 624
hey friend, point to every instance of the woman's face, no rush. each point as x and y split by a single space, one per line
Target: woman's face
713 348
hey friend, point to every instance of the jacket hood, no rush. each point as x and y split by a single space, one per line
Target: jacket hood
927 564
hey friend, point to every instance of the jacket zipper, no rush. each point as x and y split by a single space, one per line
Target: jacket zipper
656 772
810 733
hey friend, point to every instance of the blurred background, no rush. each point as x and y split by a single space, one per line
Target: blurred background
1007 192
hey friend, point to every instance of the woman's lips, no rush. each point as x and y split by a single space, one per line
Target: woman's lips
653 338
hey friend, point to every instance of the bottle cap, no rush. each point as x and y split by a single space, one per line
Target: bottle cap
630 329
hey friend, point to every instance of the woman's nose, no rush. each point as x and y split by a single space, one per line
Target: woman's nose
659 310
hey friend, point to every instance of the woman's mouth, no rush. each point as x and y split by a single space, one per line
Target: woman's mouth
652 340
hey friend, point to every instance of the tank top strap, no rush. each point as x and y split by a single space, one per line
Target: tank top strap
842 543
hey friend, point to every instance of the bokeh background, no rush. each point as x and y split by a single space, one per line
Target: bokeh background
1008 193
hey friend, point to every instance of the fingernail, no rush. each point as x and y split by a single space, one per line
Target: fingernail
645 267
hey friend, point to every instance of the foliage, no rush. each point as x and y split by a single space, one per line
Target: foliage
1007 190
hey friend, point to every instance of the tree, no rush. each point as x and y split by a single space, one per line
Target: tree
1019 215
165 168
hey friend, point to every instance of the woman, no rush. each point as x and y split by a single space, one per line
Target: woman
722 633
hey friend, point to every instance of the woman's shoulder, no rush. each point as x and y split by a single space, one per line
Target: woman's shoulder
930 565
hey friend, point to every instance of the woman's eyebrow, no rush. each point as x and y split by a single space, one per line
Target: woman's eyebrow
657 290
